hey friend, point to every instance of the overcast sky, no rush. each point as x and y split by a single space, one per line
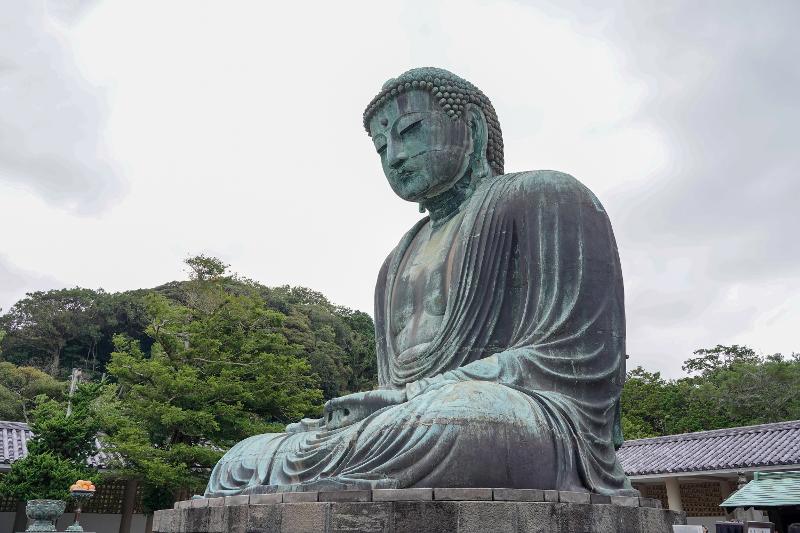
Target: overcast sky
133 134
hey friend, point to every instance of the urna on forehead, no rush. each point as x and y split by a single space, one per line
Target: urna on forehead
449 92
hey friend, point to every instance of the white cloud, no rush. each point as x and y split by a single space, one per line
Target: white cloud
238 128
51 119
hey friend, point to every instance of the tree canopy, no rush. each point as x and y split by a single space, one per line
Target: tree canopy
58 330
218 370
19 387
727 386
61 329
59 447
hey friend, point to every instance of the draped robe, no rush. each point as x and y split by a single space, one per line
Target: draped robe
520 386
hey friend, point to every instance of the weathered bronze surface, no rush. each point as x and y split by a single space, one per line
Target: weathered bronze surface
499 318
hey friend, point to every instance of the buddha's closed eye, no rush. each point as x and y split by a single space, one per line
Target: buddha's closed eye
380 143
410 126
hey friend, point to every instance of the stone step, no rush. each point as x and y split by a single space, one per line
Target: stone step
422 494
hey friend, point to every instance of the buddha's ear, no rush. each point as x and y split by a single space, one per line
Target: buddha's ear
476 121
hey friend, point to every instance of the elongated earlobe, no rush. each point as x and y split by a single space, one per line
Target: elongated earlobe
479 163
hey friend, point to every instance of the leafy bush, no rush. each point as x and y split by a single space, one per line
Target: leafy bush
19 387
71 437
41 476
58 451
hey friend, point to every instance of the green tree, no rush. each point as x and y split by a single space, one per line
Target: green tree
727 386
76 327
219 369
338 343
43 476
205 268
61 329
58 450
747 388
710 360
70 436
359 346
19 387
644 404
111 314
40 326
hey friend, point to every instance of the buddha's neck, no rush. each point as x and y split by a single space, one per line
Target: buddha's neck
443 207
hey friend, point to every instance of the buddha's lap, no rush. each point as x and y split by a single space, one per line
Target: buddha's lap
466 404
478 415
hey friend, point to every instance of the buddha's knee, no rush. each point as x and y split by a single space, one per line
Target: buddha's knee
495 433
242 466
257 446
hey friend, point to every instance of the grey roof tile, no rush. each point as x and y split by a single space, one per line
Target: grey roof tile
14 441
721 449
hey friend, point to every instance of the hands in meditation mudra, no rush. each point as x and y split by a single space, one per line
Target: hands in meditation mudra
499 321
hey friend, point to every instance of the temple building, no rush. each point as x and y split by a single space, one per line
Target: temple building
696 472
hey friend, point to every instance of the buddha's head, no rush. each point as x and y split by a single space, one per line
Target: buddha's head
432 130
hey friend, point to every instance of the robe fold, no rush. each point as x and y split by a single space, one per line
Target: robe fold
520 386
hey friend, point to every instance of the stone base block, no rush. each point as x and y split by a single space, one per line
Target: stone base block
507 512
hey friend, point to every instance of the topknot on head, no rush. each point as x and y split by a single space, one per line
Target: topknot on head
452 93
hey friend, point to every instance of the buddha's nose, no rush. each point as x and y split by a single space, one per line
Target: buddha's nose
397 159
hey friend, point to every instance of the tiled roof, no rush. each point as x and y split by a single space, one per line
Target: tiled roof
768 489
746 447
14 445
14 438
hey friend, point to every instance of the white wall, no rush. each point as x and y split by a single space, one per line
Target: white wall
101 523
707 521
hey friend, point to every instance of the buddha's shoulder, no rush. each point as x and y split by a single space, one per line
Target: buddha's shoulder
544 184
543 181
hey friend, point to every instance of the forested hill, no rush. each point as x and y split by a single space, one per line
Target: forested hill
57 330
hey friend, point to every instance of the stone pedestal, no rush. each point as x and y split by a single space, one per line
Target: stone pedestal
419 511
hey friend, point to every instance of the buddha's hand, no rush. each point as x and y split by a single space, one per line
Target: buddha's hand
306 424
346 410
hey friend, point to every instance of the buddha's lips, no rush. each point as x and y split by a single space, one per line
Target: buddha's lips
404 175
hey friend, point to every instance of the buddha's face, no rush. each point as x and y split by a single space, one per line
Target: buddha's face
424 152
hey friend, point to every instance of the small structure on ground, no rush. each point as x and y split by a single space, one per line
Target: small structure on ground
777 493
